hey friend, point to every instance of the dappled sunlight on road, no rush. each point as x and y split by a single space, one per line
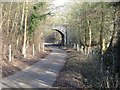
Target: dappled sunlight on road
41 74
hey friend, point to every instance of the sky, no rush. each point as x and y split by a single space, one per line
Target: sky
58 6
60 2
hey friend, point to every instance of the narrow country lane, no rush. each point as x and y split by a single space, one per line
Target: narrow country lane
40 75
88 30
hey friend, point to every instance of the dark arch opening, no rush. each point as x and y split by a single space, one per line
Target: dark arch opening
62 35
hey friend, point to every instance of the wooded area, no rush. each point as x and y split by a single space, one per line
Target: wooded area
92 28
23 25
95 28
20 27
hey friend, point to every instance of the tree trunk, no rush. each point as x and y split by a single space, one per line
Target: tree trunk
9 19
1 45
114 30
25 31
21 23
13 29
89 29
0 36
101 38
85 46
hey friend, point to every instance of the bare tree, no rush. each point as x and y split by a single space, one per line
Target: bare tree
25 31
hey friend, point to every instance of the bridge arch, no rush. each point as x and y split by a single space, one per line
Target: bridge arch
62 36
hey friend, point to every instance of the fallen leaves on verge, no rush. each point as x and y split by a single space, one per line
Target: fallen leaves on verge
20 63
79 71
